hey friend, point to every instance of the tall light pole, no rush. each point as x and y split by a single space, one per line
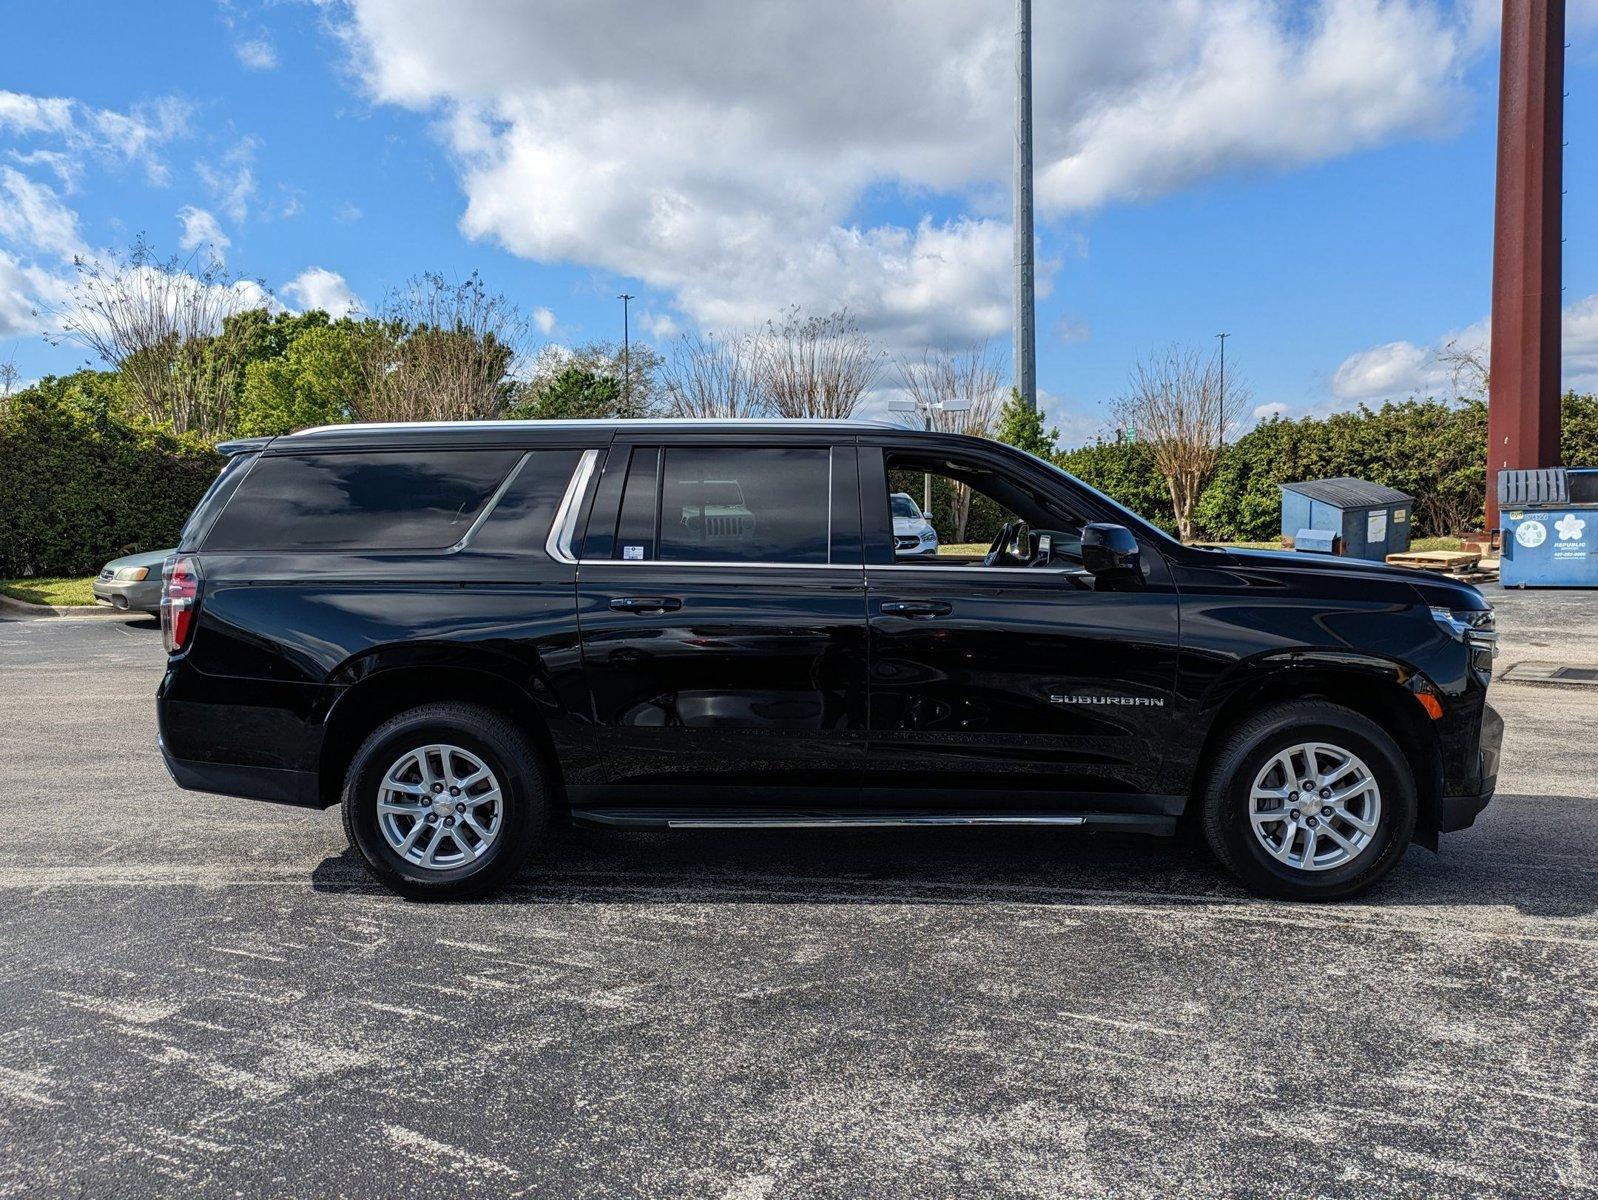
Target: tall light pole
626 355
1222 338
1025 370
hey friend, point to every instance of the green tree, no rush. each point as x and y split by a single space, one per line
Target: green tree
1127 473
574 393
316 380
80 484
1579 444
1019 425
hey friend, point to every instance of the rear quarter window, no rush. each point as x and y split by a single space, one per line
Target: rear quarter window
399 500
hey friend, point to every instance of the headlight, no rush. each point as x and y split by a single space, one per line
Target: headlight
1475 627
928 536
131 574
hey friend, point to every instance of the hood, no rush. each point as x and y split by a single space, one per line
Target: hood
150 558
1433 588
904 526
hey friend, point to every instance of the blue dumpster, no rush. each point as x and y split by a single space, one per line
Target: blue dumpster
1346 516
1549 519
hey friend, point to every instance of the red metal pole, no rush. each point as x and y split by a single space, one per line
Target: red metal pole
1523 403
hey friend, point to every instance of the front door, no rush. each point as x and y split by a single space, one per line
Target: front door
721 604
1008 685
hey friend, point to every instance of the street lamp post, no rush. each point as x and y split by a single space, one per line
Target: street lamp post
1222 337
626 355
927 409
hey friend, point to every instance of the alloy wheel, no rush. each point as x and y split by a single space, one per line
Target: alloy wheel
440 807
1315 806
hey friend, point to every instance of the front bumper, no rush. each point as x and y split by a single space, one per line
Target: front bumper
1460 812
141 596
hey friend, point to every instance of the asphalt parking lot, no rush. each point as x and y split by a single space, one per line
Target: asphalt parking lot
206 997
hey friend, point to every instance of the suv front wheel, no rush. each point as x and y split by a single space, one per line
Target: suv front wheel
1309 801
445 801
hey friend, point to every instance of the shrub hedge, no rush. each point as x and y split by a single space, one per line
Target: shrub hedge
80 485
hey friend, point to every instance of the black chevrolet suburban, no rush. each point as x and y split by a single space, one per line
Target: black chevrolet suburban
465 632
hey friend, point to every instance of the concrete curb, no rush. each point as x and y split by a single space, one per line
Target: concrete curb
22 608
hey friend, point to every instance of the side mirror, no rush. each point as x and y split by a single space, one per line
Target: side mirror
1110 552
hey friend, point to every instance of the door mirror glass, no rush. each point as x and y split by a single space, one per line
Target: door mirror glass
1110 552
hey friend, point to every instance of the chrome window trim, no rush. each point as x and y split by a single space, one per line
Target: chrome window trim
493 503
735 566
564 527
977 567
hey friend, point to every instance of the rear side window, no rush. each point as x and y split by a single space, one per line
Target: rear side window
403 500
738 504
214 500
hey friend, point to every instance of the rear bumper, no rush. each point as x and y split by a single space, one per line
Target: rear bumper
253 783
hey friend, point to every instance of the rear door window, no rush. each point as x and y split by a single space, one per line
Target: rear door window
731 504
403 500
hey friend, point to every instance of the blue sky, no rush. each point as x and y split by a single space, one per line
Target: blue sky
1314 179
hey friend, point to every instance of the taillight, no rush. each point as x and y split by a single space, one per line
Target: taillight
180 600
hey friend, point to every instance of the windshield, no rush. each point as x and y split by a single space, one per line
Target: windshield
903 506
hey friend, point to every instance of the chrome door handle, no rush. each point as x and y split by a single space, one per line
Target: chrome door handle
916 608
646 604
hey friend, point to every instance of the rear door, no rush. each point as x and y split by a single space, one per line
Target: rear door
722 617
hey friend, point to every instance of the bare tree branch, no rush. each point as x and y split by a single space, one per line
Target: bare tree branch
707 376
817 367
971 379
163 326
1175 405
441 351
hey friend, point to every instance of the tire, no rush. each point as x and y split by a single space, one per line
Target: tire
466 865
1258 752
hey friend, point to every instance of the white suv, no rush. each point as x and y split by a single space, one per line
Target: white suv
912 532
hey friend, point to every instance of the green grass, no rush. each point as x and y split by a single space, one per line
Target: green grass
1437 543
50 590
967 548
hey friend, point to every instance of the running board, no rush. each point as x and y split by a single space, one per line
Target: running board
701 818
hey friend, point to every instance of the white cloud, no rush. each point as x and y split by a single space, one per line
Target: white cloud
1268 412
661 326
1233 84
135 136
317 287
544 320
1399 369
232 180
25 291
35 114
258 54
723 159
1078 425
200 228
34 219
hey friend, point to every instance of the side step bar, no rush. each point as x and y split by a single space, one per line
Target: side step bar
731 818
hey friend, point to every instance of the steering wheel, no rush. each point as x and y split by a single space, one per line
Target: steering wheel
1008 536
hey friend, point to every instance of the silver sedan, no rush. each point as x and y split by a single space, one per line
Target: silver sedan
132 583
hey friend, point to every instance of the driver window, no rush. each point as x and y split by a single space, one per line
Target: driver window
949 512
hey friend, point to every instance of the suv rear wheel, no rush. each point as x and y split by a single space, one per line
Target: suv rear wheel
1309 801
445 801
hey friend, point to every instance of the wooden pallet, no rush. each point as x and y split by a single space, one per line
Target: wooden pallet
1436 560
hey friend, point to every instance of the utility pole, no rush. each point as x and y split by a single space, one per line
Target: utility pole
1223 337
626 356
1025 368
1523 400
